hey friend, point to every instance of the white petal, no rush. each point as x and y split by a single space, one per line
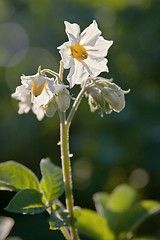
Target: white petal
65 52
72 31
78 73
90 35
24 107
59 88
43 98
95 67
20 92
28 80
100 49
39 113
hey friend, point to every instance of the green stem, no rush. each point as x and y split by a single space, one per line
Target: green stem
74 107
64 139
65 233
50 72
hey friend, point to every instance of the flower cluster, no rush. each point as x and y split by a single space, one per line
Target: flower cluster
105 95
41 94
84 54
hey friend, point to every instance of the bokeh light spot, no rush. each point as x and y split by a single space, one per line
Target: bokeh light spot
82 171
29 65
139 178
13 40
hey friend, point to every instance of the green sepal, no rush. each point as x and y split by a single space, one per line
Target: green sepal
27 201
15 176
52 180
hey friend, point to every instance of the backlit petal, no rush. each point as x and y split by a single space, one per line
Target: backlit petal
78 73
90 35
65 52
94 67
100 49
72 31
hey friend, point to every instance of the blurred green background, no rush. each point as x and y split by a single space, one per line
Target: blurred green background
118 148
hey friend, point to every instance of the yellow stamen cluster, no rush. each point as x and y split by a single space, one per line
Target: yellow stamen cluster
79 52
37 91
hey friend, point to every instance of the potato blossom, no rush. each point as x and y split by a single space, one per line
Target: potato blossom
38 93
84 53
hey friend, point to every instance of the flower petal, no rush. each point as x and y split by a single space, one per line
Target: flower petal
90 35
72 31
39 112
43 98
65 52
24 107
78 73
100 49
95 67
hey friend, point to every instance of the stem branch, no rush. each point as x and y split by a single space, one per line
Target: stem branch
74 107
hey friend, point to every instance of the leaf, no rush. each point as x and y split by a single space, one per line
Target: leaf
14 176
139 213
6 225
92 225
27 201
52 180
122 210
55 222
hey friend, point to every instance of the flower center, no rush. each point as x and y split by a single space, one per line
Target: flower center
37 91
79 52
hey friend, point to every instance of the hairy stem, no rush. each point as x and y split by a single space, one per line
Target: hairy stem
74 107
65 156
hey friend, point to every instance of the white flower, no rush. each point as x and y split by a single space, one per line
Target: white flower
37 93
84 53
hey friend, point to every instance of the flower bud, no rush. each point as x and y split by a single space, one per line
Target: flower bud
51 108
105 95
96 101
114 97
63 100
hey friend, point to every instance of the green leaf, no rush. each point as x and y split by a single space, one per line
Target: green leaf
27 201
6 225
55 222
139 213
92 225
14 176
122 210
52 180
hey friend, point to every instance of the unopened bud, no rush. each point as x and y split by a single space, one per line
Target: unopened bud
51 108
63 100
96 100
114 97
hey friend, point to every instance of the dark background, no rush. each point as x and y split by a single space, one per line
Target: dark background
115 149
